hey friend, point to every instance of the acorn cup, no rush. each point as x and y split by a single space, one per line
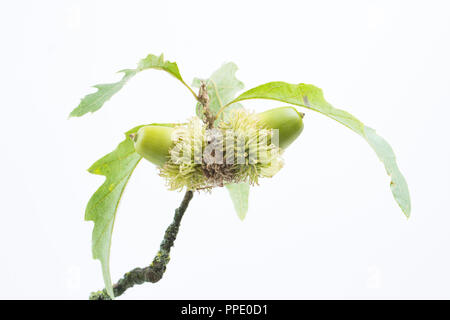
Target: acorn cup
154 142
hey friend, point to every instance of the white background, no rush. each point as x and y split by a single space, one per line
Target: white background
325 227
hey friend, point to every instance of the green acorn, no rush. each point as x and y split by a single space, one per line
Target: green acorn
153 143
287 120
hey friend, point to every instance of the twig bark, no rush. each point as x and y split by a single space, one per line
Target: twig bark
154 272
203 98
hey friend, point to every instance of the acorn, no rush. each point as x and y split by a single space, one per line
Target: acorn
287 120
153 143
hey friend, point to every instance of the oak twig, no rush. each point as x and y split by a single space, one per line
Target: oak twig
154 272
203 98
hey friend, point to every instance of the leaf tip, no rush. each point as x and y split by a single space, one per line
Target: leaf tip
407 212
242 216
73 113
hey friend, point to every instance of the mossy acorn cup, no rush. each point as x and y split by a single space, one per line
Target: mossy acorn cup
153 142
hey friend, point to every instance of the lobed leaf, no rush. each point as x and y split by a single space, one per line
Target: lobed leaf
94 101
311 97
117 167
222 87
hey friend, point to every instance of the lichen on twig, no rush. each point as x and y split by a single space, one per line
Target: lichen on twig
155 271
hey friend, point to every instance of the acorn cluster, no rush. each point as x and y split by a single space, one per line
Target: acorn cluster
242 147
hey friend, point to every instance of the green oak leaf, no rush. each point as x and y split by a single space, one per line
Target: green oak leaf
94 101
239 193
399 187
311 97
117 166
222 87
